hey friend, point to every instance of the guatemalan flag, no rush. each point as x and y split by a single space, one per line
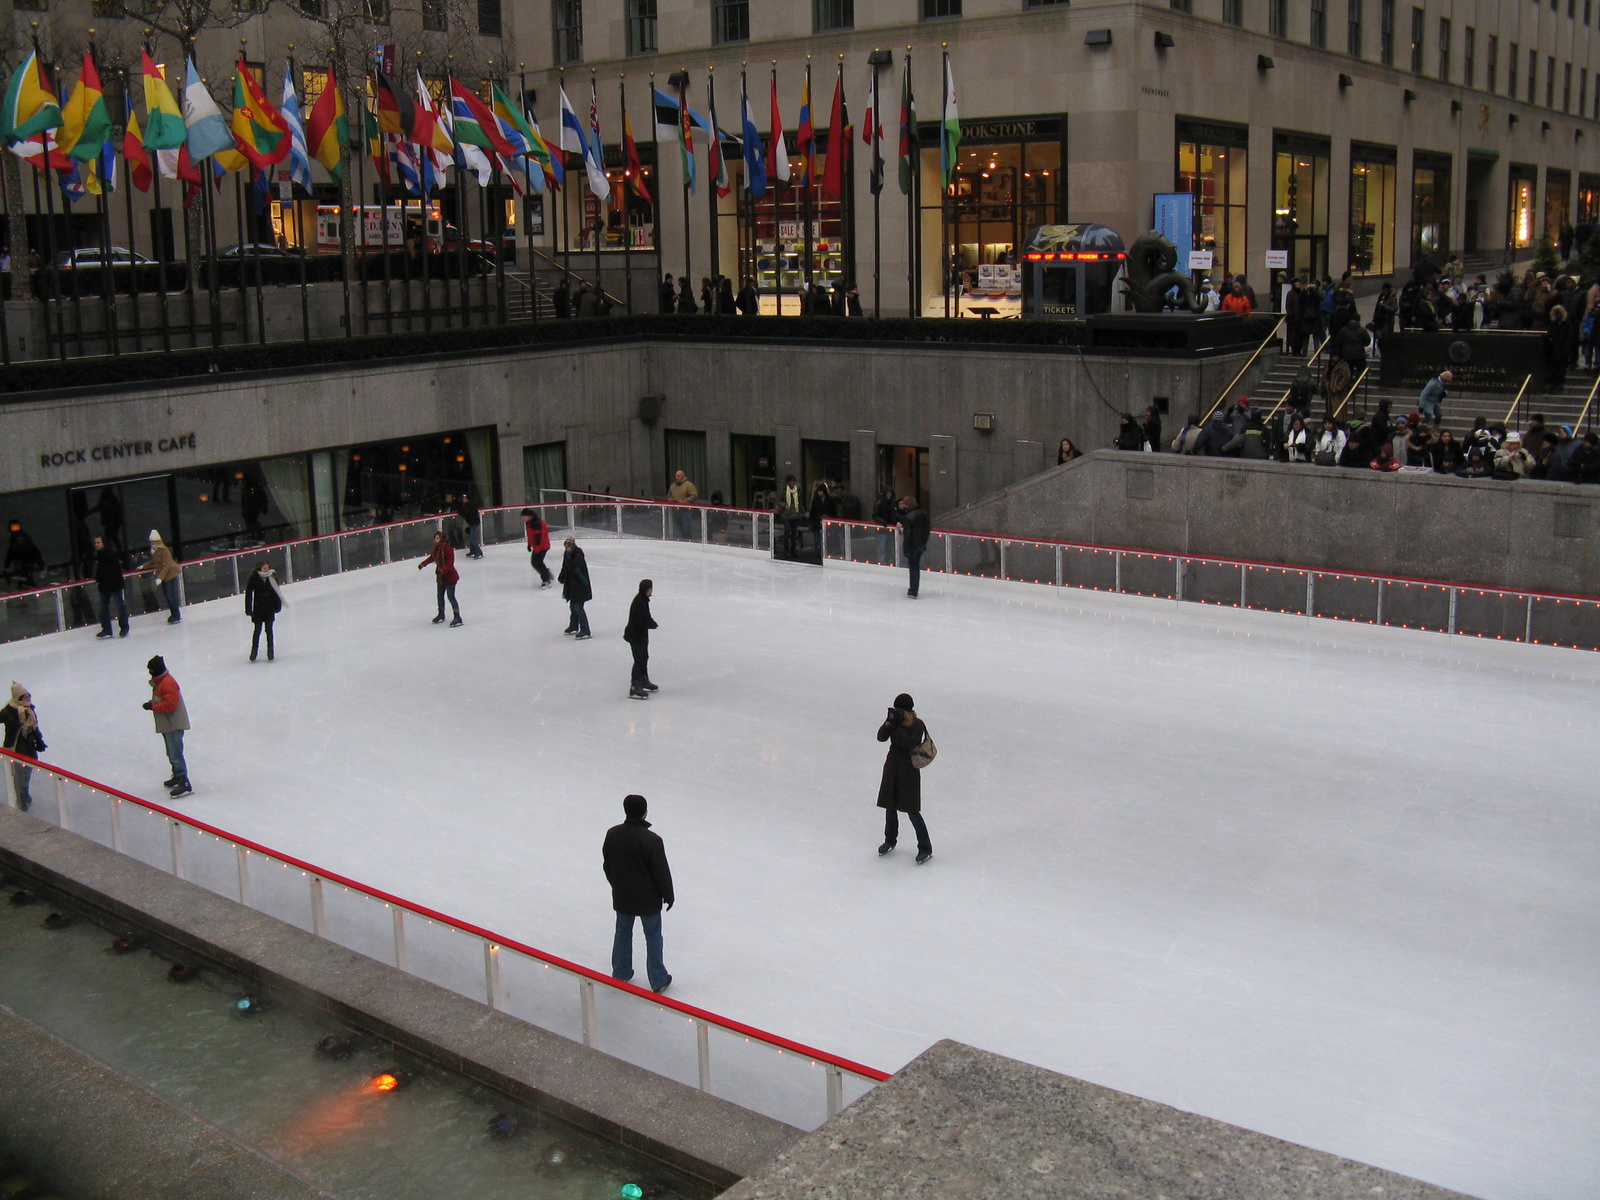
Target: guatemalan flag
755 169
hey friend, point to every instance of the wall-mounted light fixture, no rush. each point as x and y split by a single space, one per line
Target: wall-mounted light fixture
1264 62
983 422
1097 37
1455 107
1345 81
1511 120
1410 95
1164 41
1544 128
881 58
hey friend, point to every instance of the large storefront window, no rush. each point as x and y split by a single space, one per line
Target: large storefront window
1006 184
1557 201
1588 198
1372 193
1430 206
1212 162
1520 206
625 220
774 248
231 506
1300 202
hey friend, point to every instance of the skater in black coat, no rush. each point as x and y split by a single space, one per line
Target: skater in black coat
575 590
262 602
637 635
641 882
901 789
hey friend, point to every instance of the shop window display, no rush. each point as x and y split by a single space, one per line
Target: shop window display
1372 209
1212 165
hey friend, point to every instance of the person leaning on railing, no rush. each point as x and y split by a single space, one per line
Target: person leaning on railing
167 573
21 725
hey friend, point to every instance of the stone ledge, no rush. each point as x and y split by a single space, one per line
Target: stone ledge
58 1101
959 1121
685 1129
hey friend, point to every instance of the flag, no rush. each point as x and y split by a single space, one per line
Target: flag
532 155
778 147
431 162
839 134
208 132
572 138
183 169
85 120
396 114
259 130
328 129
908 132
755 172
135 154
806 135
595 162
163 121
375 140
40 153
102 177
261 188
630 160
474 123
950 127
717 164
554 164
73 186
30 106
686 136
872 134
467 155
407 168
299 157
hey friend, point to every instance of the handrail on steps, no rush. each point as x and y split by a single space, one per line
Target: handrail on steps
1351 391
1285 397
1249 362
572 274
1525 382
1578 425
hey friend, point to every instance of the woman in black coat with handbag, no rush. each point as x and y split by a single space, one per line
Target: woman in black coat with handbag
262 602
575 590
901 789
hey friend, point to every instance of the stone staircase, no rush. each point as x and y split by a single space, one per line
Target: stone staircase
1559 408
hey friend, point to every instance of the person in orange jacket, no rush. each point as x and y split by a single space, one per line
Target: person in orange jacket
1237 302
172 719
443 558
538 544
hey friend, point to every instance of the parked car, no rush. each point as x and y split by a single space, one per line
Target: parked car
95 256
260 250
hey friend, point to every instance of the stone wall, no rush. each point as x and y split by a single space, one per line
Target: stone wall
1527 535
588 396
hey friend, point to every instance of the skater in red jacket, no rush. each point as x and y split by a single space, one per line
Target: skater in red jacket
538 544
443 558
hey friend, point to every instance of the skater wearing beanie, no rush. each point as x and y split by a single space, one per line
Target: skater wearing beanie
172 718
167 573
637 635
443 558
641 882
22 737
262 602
901 789
575 589
538 544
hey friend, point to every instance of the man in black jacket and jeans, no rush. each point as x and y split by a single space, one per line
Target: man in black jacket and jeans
108 580
915 521
641 882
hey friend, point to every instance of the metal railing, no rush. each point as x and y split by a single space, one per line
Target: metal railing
75 605
1269 340
1542 618
783 1079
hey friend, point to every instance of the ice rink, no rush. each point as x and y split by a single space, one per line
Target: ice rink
1332 882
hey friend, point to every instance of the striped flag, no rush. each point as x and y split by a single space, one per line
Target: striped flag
30 107
299 157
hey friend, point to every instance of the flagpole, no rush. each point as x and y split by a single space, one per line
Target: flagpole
627 224
244 284
599 202
299 228
655 195
712 200
914 199
345 260
945 281
133 240
877 191
683 117
808 156
566 219
156 231
527 203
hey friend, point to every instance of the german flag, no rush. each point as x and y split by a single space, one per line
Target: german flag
400 115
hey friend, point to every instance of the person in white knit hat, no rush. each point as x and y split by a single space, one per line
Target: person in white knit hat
167 573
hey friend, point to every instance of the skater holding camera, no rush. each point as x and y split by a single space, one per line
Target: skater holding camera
910 749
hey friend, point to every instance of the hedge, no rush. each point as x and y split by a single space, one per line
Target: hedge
103 372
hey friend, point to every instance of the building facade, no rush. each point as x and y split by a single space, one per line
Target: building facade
1332 134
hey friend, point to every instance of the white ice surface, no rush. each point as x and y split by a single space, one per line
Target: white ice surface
1330 882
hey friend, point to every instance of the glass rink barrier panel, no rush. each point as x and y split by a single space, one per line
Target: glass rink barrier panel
77 605
1568 621
780 1079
